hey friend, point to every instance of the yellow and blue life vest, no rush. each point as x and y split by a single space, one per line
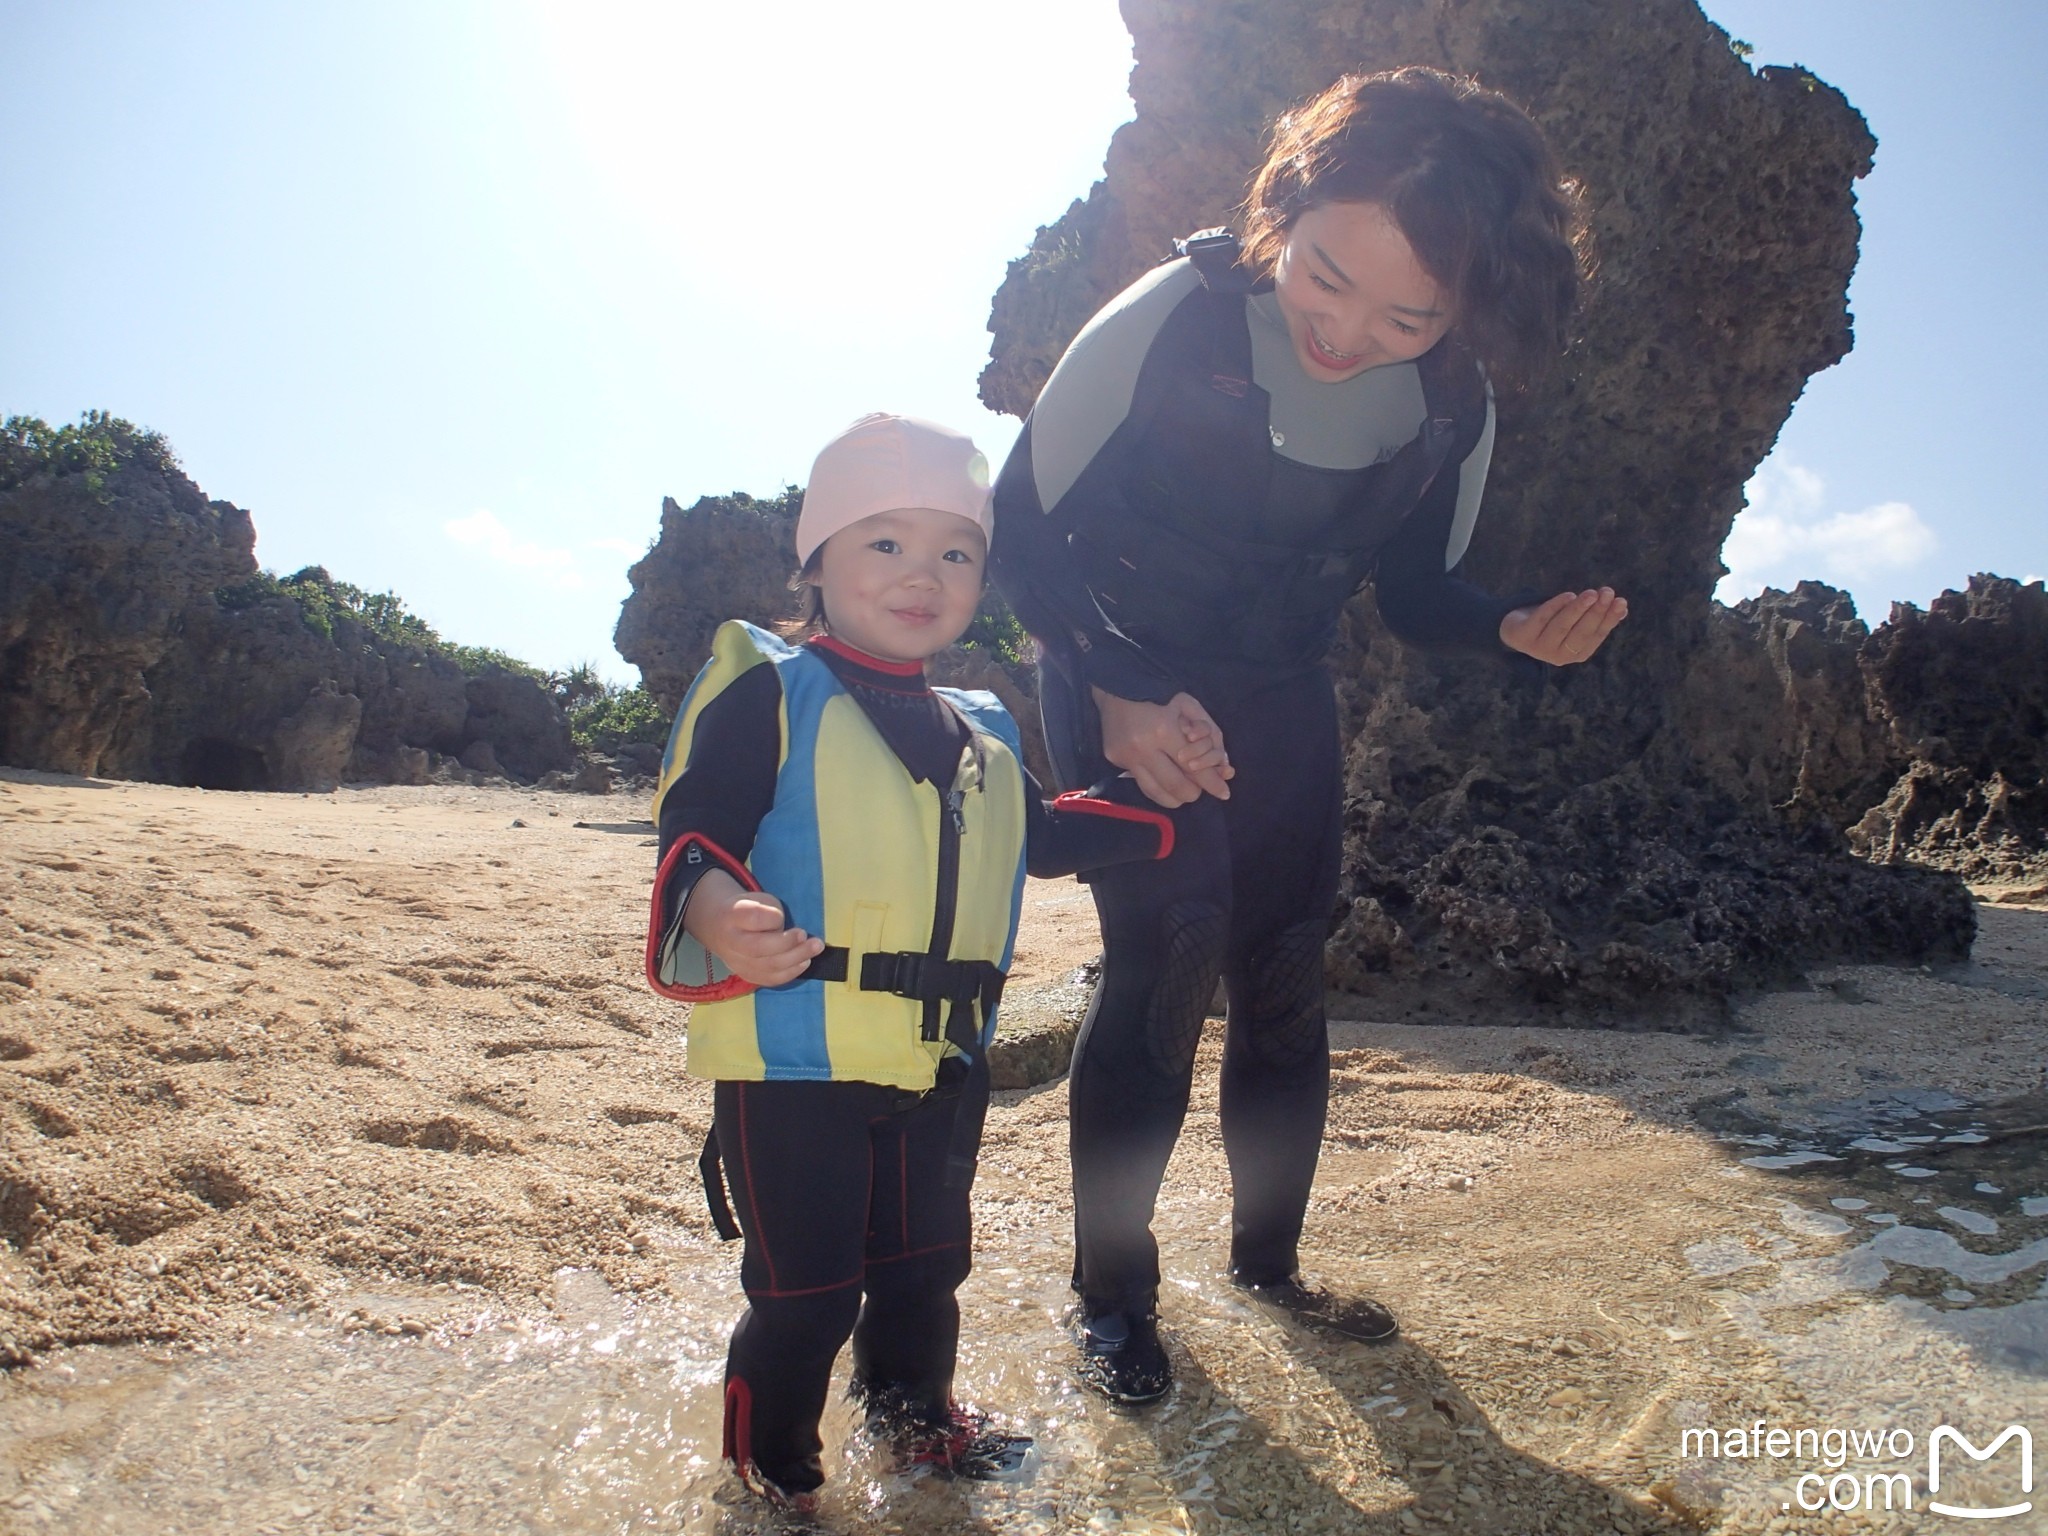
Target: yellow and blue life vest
854 848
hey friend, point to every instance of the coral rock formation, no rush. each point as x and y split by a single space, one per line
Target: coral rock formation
136 641
1963 692
726 557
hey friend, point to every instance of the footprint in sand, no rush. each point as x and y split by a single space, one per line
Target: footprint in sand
443 1133
500 1048
628 1114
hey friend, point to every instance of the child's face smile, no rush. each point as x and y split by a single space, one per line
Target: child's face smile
902 585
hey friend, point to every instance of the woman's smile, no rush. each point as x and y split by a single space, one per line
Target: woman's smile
1347 274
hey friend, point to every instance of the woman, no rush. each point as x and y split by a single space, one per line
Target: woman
1223 456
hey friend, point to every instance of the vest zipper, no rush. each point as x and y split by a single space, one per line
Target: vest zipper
952 823
952 826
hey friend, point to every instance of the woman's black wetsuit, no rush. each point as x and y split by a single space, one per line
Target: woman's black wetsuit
1186 511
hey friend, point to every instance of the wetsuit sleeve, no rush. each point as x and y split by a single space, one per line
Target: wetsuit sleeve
1063 475
1423 602
1081 830
725 788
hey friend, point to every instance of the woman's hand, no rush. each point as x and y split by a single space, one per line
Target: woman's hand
744 929
1569 628
1173 750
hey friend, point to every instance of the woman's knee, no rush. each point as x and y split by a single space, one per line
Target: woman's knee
1277 1016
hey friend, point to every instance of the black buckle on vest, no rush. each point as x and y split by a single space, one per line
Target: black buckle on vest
932 980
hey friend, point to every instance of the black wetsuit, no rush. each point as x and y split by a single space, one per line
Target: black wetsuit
852 1226
1186 511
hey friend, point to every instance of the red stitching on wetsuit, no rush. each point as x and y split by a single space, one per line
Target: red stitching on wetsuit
1080 800
739 1422
918 1253
814 1290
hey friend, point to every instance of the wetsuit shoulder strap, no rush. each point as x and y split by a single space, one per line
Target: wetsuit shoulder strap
1216 255
1454 392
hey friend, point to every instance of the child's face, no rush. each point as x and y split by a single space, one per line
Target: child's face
902 585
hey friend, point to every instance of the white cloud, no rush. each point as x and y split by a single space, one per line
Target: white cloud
1787 534
482 532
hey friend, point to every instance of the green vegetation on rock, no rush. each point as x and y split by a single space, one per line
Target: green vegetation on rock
95 446
321 600
617 717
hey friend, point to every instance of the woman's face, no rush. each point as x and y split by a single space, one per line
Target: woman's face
1353 293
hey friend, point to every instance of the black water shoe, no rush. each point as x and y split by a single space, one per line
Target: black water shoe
1122 1358
1354 1317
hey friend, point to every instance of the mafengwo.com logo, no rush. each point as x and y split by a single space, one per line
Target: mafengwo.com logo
1888 1485
1945 1435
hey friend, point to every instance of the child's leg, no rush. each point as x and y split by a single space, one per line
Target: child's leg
918 1251
796 1158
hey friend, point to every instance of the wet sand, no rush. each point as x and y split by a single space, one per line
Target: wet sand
347 1183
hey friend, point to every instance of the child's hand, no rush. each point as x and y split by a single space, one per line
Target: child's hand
1202 739
744 929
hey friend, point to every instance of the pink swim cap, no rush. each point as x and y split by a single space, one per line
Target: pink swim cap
885 463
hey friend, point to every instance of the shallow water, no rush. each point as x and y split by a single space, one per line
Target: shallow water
605 1418
1886 1298
1930 1309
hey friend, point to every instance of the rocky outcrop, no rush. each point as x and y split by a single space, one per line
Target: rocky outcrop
139 640
1778 711
725 557
1600 836
98 572
521 724
1962 690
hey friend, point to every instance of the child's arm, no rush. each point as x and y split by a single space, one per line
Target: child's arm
708 810
1113 823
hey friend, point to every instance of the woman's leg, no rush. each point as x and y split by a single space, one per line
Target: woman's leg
1164 926
1286 830
796 1158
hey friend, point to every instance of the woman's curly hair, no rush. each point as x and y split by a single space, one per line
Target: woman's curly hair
1471 182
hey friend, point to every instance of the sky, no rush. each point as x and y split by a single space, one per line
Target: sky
450 296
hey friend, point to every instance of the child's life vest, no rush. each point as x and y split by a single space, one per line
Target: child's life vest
915 891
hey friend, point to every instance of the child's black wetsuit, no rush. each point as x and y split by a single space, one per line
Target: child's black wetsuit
852 1227
1186 512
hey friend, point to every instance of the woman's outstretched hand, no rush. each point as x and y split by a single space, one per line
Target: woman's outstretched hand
1568 628
1173 750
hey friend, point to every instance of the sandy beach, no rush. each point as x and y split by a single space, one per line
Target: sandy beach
347 1183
